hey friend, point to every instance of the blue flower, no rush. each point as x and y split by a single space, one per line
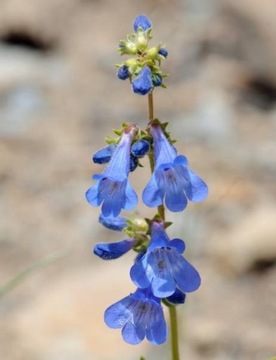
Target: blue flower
123 72
139 315
112 189
172 180
142 85
117 223
163 52
141 22
163 267
110 251
103 155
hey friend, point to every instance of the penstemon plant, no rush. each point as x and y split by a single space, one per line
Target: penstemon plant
160 272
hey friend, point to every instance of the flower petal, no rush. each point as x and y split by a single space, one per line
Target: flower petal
186 276
157 332
178 244
196 188
132 334
138 276
116 315
92 195
151 194
131 199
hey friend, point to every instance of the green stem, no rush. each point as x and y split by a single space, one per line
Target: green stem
174 333
150 106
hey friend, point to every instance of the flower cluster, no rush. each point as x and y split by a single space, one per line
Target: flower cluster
143 70
160 272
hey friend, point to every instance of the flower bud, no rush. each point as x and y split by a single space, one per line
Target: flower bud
140 148
103 155
163 52
141 22
140 225
123 72
142 85
157 80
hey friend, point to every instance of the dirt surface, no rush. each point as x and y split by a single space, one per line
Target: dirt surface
59 98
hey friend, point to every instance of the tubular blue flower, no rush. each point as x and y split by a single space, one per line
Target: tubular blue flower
103 155
123 72
172 180
110 251
117 223
142 85
142 22
112 188
163 267
139 315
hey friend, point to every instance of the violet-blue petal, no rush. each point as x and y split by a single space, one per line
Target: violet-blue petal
113 194
157 333
133 334
163 282
186 276
131 198
118 314
151 195
178 244
196 188
92 195
139 276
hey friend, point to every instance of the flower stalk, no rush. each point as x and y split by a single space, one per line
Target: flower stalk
174 333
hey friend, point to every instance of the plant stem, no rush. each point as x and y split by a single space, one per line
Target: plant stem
174 333
150 106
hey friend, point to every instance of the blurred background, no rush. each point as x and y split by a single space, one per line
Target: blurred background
59 98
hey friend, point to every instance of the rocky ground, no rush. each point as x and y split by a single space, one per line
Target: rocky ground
59 97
